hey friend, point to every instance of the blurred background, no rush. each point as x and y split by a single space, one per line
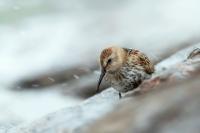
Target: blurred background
49 49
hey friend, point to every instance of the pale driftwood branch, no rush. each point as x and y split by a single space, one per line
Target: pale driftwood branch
194 53
183 45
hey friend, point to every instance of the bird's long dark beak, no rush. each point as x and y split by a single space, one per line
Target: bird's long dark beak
103 72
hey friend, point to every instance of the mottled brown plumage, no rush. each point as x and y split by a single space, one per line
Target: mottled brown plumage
124 69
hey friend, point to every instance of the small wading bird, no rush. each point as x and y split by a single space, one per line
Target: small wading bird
124 69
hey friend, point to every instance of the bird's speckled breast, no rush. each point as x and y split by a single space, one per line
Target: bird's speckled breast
126 79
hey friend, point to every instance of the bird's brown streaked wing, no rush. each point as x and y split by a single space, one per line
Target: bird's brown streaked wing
141 59
146 63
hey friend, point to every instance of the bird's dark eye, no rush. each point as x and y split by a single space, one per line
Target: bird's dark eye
109 61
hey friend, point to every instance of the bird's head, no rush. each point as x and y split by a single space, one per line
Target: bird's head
111 60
